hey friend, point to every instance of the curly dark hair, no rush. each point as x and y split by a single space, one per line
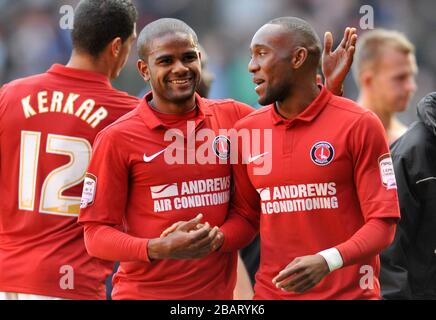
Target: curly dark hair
98 22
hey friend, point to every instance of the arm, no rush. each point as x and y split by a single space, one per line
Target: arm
108 243
102 212
379 206
305 272
337 64
2 110
242 221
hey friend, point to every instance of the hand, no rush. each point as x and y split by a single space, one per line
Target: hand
216 243
189 240
302 274
337 64
176 225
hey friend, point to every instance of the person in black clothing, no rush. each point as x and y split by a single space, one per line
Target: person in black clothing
408 266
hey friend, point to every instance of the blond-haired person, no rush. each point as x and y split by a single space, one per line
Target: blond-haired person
385 69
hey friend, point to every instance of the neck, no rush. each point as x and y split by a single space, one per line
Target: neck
372 104
169 107
301 97
88 63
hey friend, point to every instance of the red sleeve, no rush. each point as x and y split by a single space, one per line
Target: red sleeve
368 241
242 224
2 110
107 182
108 243
2 106
374 176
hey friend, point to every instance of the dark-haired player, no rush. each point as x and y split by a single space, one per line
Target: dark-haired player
48 123
329 204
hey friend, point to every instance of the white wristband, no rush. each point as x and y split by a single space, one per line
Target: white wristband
333 258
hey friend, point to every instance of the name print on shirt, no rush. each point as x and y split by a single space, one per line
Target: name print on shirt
63 103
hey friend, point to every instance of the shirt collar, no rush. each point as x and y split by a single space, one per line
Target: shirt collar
308 114
153 122
83 75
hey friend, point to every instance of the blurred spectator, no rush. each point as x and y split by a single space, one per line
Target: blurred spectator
385 69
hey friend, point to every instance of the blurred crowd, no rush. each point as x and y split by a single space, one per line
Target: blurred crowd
31 38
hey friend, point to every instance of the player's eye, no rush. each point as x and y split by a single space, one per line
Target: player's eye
164 61
191 57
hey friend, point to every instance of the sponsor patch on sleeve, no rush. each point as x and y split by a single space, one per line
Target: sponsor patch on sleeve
88 193
387 171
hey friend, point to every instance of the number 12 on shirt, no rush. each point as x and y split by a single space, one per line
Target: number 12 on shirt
58 180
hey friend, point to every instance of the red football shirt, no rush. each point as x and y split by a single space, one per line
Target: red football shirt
327 172
150 170
48 123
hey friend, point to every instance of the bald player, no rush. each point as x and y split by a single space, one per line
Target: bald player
48 123
329 204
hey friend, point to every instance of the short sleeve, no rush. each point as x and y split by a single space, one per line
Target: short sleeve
105 187
373 169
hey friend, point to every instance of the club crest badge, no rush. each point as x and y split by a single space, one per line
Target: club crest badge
322 153
221 147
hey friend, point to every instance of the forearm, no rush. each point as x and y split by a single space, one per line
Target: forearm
108 243
238 233
368 241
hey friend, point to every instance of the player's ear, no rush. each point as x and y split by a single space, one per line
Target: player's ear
116 47
199 56
298 57
143 69
366 78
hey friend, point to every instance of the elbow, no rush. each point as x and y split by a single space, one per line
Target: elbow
390 232
89 239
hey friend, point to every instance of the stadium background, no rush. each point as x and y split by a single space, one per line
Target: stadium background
31 38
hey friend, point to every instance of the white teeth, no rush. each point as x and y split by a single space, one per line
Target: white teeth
179 81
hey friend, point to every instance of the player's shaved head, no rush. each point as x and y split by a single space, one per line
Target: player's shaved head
159 28
303 35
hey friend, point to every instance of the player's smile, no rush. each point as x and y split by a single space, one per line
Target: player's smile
260 85
182 82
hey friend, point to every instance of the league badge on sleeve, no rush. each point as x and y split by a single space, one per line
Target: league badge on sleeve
88 193
322 153
387 171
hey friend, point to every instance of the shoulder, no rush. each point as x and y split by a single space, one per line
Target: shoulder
123 97
357 117
256 117
22 82
347 107
124 124
228 106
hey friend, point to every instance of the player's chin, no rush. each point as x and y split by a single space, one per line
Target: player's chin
401 105
264 100
182 95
